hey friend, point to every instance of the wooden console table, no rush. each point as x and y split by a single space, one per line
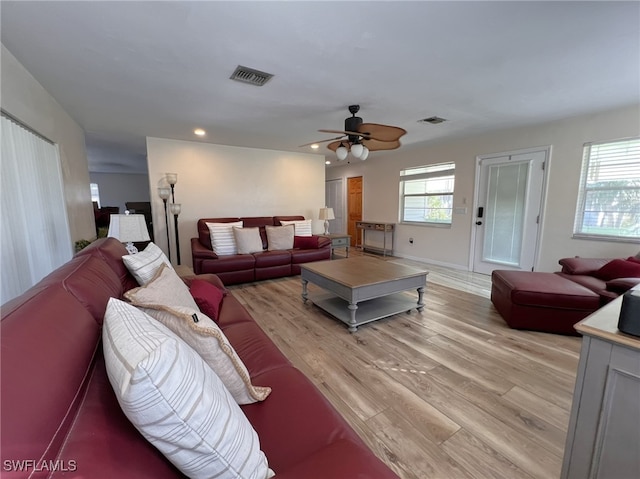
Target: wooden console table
387 230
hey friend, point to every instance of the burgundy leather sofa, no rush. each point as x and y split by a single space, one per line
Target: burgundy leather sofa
245 268
554 302
60 417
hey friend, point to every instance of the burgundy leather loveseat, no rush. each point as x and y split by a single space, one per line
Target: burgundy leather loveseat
61 418
554 302
244 268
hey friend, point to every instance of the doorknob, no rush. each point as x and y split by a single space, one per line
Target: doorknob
478 223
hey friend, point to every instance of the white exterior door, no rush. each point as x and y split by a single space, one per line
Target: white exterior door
507 210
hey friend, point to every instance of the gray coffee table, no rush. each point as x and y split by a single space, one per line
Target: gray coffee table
362 289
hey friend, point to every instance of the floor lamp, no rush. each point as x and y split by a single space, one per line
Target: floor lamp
175 211
164 194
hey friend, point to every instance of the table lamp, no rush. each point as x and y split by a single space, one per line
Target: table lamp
128 228
326 214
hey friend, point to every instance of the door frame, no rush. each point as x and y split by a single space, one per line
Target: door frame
354 239
543 198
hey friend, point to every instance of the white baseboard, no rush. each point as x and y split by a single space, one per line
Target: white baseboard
433 262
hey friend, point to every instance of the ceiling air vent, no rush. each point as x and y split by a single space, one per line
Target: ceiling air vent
251 76
434 120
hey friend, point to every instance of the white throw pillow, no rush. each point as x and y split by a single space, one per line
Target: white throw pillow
144 265
302 227
208 340
248 240
165 289
176 401
279 237
222 239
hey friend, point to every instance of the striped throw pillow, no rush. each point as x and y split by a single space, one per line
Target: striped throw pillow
144 265
176 401
222 239
302 227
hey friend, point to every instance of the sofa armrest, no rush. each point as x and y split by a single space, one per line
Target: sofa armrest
208 277
200 251
323 242
622 285
579 265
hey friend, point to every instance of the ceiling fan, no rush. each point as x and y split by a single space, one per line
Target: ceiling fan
360 138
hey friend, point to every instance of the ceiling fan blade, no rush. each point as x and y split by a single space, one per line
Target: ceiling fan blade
372 145
321 141
376 131
376 145
353 133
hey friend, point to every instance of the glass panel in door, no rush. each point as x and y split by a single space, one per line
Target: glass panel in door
506 203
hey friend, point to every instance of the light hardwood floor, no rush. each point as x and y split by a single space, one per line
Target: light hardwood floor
448 393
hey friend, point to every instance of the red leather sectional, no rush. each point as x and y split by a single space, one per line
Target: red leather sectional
244 268
60 417
554 302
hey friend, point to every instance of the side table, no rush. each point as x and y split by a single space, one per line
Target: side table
339 241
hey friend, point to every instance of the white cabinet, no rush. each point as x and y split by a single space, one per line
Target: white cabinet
603 440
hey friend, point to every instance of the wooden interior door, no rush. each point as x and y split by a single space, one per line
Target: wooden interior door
354 207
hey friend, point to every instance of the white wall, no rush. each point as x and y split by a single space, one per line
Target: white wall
25 99
451 246
218 181
118 188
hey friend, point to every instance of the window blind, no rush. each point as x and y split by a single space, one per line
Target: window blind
609 195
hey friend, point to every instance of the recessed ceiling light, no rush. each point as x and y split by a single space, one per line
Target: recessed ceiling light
199 132
327 162
315 146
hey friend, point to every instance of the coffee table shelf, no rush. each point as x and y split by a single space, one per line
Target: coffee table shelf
370 310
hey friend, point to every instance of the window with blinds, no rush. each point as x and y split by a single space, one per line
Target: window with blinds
609 196
426 194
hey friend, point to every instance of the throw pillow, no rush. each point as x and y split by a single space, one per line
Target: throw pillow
222 240
306 242
144 265
247 240
208 297
176 401
633 259
302 227
207 339
279 237
166 288
618 268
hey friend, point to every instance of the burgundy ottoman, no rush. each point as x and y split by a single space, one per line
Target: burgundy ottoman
541 301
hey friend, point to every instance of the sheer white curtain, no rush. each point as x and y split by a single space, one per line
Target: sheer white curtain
34 231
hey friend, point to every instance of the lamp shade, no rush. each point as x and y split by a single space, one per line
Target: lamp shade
357 149
128 228
175 208
172 178
326 214
341 153
164 193
365 153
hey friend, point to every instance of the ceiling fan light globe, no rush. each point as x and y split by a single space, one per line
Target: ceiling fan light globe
357 149
365 153
341 153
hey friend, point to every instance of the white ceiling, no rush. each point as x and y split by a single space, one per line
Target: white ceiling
127 70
